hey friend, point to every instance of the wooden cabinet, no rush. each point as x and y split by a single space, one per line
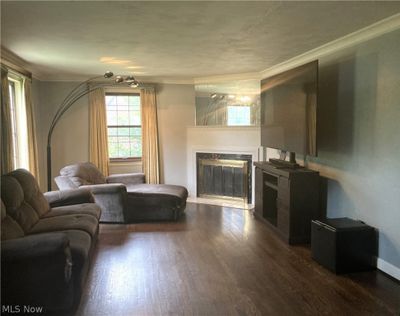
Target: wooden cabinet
287 200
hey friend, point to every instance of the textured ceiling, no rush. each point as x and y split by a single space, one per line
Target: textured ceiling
174 40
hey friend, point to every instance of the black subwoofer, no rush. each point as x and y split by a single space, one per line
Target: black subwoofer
343 245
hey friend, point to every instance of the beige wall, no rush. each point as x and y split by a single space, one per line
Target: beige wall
70 141
176 111
70 137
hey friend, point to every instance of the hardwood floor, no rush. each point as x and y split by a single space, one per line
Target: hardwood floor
221 261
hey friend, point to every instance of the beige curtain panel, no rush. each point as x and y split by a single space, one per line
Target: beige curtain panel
31 129
7 147
150 156
98 141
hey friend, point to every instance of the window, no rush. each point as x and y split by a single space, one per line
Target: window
18 122
124 126
238 115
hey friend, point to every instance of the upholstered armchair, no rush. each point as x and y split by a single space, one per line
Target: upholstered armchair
125 197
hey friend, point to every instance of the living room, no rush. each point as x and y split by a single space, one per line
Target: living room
180 47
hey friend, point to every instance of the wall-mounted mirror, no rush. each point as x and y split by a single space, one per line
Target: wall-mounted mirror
229 103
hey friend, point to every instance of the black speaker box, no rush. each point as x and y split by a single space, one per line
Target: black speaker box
343 245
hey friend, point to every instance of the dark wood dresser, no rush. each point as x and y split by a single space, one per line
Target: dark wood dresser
287 200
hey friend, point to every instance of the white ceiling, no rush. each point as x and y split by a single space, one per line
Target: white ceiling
174 40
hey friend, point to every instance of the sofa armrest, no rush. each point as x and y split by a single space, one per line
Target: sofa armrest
112 200
36 269
105 188
69 197
127 178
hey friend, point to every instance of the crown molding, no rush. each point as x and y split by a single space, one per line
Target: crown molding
231 77
382 27
166 80
14 62
379 28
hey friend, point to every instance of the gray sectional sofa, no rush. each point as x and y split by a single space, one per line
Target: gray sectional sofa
125 198
47 241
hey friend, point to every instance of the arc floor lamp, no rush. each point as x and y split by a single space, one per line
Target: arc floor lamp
78 92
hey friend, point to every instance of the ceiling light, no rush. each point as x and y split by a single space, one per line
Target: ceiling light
134 84
213 96
130 79
108 74
119 79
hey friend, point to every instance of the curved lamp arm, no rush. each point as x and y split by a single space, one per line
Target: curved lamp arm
76 93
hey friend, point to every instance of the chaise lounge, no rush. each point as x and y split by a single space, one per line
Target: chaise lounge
125 198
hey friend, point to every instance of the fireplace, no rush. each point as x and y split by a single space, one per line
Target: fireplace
226 176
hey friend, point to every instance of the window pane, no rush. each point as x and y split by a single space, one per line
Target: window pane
112 131
123 131
238 115
136 147
122 100
134 100
111 100
123 139
123 112
134 117
123 118
123 150
112 149
123 107
112 118
135 131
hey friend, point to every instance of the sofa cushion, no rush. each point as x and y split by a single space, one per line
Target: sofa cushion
9 228
83 173
32 194
149 202
85 208
155 190
68 197
16 206
86 223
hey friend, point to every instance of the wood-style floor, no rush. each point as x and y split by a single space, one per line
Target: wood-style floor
221 261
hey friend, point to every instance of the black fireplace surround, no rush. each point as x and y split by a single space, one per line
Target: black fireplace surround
219 180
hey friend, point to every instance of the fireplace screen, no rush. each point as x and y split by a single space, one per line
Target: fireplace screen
226 176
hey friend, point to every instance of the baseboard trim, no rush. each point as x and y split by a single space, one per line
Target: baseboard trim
388 268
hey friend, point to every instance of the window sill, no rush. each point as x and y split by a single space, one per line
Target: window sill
125 160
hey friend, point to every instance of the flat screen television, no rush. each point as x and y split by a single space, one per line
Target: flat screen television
289 110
